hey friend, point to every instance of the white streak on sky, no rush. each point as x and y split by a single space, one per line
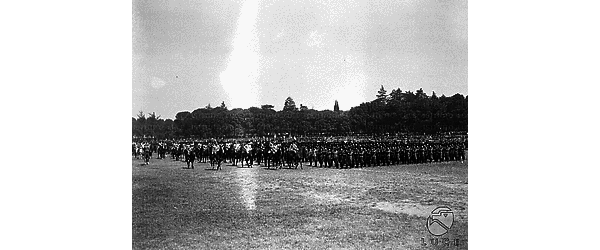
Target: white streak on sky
239 79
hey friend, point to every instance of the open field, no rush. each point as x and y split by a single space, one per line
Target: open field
310 208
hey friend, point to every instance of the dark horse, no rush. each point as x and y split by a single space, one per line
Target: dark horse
216 156
190 157
293 157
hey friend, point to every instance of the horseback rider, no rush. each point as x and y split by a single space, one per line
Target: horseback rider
190 156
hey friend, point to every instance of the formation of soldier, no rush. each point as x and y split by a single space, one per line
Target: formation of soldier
370 154
340 152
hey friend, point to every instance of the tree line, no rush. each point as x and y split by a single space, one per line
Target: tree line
396 112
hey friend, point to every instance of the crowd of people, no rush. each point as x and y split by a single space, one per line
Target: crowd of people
330 152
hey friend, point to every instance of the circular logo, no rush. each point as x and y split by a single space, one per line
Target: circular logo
440 221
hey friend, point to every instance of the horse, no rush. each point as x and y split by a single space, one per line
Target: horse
189 157
216 152
273 156
293 159
247 155
198 152
258 154
229 153
237 154
277 156
147 153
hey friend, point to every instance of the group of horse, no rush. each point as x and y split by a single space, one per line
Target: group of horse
270 155
142 151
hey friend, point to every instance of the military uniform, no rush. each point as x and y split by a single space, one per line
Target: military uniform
374 158
367 157
330 158
388 156
444 153
344 158
355 155
320 157
360 158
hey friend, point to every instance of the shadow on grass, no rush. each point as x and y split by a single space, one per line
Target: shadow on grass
213 169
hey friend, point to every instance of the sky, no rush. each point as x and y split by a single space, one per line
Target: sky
188 54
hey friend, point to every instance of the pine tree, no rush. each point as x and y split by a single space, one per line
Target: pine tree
381 94
289 105
336 106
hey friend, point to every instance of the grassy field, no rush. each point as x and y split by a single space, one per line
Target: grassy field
310 208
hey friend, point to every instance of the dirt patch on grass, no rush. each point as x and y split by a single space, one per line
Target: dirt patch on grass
414 209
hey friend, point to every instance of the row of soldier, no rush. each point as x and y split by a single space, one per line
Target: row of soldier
369 155
321 153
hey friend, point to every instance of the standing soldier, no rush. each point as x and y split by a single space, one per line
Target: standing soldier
355 157
415 154
361 157
444 149
427 152
463 152
336 158
329 157
350 158
367 156
343 155
320 155
374 158
402 153
388 156
394 155
423 154
311 156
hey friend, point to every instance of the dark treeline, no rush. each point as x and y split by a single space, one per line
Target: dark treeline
398 112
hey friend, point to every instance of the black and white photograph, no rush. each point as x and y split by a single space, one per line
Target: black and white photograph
299 124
